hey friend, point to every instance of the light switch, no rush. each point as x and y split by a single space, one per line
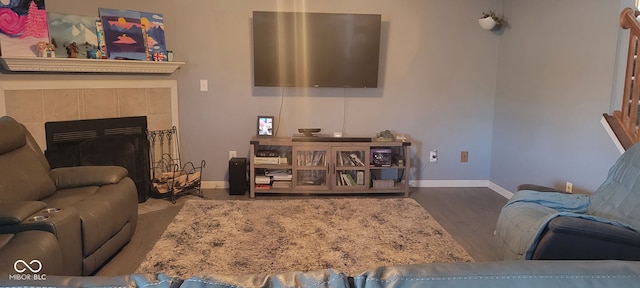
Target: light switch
204 85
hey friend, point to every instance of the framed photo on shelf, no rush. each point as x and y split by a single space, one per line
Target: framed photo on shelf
265 126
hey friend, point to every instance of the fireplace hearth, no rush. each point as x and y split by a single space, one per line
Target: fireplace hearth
110 141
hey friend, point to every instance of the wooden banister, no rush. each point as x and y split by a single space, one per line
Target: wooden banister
625 122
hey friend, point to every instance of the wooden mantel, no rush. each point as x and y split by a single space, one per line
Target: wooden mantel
74 65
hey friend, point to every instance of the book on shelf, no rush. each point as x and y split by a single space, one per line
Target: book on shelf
345 179
311 158
318 158
356 160
349 159
345 160
261 179
281 184
282 178
279 174
360 177
267 160
263 186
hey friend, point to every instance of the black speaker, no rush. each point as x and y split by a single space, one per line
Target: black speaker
238 183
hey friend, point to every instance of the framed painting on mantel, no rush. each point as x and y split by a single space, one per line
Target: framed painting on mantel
154 25
125 36
65 29
23 23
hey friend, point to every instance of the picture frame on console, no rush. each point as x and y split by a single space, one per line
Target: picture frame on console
264 126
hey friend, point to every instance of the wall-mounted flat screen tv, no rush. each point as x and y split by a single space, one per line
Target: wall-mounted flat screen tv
296 49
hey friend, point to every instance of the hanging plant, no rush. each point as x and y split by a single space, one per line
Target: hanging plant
490 20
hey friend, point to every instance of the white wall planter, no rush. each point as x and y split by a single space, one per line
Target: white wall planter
487 23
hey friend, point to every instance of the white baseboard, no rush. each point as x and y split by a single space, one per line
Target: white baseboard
463 183
415 183
449 183
504 192
215 184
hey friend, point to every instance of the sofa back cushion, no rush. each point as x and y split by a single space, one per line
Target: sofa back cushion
24 171
618 197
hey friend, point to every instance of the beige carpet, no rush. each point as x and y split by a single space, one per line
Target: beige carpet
267 236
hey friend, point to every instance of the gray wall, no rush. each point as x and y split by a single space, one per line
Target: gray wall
434 88
555 79
525 104
437 74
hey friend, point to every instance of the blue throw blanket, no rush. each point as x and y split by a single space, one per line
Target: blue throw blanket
527 213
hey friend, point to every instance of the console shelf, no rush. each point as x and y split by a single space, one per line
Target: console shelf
327 167
71 65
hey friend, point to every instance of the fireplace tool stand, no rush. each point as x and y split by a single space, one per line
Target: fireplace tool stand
169 177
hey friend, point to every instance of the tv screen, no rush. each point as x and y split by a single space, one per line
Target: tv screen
295 49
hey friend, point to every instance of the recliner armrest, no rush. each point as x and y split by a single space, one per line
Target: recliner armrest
577 238
79 176
594 229
16 212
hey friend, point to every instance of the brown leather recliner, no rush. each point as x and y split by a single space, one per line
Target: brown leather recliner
25 253
91 210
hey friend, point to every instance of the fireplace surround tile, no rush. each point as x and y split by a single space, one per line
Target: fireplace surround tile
26 106
132 102
35 102
100 103
158 101
159 122
61 105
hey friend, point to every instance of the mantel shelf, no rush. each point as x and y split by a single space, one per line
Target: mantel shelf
70 65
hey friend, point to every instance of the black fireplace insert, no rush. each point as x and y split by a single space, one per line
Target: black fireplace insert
110 141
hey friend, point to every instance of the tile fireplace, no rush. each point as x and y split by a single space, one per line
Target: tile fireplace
35 103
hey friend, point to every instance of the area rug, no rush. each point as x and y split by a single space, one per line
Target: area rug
268 236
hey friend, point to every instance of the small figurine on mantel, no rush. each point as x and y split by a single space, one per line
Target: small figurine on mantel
72 50
44 49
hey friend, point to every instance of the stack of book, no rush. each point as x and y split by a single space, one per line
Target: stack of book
349 159
267 160
347 179
263 182
281 178
274 178
311 158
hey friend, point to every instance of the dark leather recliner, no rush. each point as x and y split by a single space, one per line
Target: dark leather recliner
91 210
540 223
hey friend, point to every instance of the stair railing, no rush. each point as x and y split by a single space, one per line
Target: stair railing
625 122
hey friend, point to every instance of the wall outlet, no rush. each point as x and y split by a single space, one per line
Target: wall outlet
232 154
433 156
568 187
464 156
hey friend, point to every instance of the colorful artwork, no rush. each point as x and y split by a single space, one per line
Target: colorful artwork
102 46
23 23
65 29
154 24
123 34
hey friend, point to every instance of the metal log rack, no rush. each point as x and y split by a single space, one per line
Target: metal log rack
167 168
